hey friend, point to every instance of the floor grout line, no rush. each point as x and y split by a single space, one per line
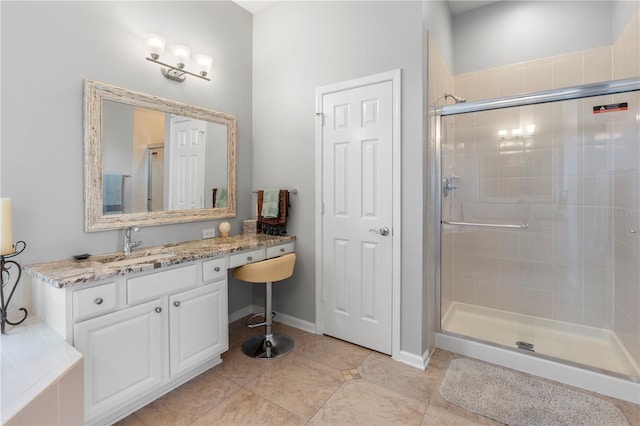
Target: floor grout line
371 368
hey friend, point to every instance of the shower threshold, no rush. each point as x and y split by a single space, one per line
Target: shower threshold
490 335
575 343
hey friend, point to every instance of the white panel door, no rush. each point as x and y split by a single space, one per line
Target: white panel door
357 194
187 163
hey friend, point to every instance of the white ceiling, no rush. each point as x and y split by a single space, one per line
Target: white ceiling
456 6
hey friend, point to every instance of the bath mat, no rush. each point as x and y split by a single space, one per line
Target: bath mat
515 399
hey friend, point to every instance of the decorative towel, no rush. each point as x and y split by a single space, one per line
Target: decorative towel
221 198
271 203
278 225
112 193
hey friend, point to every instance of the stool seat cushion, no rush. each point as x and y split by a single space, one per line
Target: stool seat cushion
269 270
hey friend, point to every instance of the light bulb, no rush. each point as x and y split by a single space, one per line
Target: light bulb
182 53
203 63
155 45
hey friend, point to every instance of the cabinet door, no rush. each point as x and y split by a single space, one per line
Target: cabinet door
197 326
123 355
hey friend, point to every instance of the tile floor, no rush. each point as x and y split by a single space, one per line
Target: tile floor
324 381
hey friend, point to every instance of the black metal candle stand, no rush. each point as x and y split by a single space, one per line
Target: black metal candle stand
6 269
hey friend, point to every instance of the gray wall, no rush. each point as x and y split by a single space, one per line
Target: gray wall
509 32
299 46
47 49
622 10
439 23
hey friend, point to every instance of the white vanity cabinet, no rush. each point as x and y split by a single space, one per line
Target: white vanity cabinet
123 356
165 326
197 326
148 327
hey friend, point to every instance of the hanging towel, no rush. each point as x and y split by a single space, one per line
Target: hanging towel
271 203
221 198
278 225
112 193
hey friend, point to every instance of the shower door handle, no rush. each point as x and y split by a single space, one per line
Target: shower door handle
384 231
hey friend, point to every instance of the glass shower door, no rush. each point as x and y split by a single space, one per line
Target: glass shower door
532 225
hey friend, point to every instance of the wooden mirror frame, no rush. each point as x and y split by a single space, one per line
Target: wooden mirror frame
95 220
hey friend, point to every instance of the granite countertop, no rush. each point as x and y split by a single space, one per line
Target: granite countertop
69 272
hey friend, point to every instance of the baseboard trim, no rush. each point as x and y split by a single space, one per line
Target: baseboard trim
414 360
309 327
289 320
242 312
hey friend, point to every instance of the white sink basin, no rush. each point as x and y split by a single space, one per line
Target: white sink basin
134 259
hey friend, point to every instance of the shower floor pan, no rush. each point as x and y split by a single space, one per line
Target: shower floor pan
571 342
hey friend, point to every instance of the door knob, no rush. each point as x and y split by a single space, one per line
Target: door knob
384 231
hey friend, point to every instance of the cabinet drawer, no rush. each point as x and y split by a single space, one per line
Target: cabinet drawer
214 269
279 250
243 258
155 285
94 300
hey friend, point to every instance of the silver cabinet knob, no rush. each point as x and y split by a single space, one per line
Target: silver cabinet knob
98 301
282 250
217 269
384 231
158 309
176 304
249 258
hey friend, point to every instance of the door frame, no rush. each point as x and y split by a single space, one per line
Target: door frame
395 77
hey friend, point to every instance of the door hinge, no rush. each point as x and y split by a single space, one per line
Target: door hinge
321 115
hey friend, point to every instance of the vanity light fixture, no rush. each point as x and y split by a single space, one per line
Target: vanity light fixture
156 44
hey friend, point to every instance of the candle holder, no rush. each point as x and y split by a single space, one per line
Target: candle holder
6 268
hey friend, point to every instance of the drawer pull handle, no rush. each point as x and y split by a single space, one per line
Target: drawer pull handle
176 304
99 301
249 258
282 250
217 269
158 309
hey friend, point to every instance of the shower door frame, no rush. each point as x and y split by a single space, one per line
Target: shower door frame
565 94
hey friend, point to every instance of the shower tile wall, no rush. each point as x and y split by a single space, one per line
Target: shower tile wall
574 179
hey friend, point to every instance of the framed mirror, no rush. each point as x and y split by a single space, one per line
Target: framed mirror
153 161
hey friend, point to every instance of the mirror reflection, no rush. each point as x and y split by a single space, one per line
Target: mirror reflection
156 161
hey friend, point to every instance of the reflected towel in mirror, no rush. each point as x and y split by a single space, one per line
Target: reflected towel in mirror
220 197
112 197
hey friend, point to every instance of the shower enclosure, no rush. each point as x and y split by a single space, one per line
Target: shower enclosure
540 225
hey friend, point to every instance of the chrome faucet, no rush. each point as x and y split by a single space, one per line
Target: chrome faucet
127 245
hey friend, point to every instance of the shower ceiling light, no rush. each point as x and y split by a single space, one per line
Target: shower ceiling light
530 130
155 46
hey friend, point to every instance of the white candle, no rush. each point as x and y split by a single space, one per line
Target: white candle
6 237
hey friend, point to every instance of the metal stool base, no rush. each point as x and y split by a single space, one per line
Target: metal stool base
256 347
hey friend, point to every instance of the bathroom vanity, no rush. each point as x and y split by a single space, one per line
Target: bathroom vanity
146 322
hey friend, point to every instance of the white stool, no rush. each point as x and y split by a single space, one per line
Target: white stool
269 345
